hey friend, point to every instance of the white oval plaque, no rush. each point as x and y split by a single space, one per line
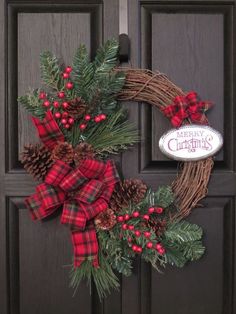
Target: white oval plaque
191 142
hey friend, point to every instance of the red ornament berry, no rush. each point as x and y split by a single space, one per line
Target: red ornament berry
158 246
162 251
149 245
135 214
56 104
139 249
97 119
64 121
61 94
42 95
131 227
134 248
65 75
103 116
159 210
68 69
124 226
87 117
126 217
65 114
147 234
46 103
151 210
71 121
82 126
65 105
137 233
69 85
146 217
129 239
67 125
57 115
120 218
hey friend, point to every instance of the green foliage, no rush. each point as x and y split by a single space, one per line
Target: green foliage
51 71
164 196
182 241
103 277
32 104
114 135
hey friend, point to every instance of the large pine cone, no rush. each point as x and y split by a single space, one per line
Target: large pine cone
63 151
36 160
77 108
83 151
130 190
106 220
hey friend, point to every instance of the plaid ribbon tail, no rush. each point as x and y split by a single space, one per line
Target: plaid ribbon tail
48 130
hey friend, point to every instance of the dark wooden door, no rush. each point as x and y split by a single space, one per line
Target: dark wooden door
193 42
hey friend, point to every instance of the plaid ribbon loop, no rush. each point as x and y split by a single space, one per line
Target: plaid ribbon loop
84 192
187 107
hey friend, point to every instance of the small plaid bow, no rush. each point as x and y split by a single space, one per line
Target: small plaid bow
84 192
187 107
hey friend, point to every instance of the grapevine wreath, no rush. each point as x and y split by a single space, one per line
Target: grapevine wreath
80 124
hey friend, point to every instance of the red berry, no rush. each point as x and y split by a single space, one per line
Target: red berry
103 116
42 95
158 246
67 125
149 245
120 218
147 234
57 115
61 94
134 248
97 119
126 217
137 233
135 214
68 69
162 251
65 75
71 121
124 226
56 104
82 126
69 85
151 210
139 249
65 105
63 121
65 114
46 103
87 117
129 239
159 210
131 227
146 217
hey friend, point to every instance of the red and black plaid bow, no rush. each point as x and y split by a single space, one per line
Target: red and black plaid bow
84 192
187 107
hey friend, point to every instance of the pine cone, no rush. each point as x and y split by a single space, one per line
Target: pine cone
158 226
36 160
130 190
77 108
83 151
63 151
106 220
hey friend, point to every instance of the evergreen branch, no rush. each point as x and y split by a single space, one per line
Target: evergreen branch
32 104
164 196
50 71
103 277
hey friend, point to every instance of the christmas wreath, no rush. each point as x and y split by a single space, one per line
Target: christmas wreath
81 123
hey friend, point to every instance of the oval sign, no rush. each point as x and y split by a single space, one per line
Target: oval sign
190 142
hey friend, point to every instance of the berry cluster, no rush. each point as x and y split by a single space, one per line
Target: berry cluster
137 233
66 120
